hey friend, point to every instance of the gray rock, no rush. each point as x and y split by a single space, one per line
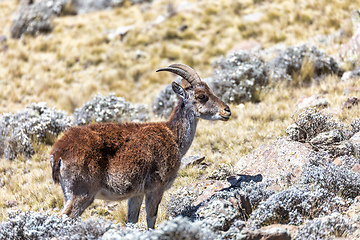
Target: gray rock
350 102
281 161
314 101
191 160
271 232
328 138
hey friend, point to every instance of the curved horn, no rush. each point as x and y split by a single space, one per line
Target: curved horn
183 71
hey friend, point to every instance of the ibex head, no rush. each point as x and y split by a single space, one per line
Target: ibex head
197 94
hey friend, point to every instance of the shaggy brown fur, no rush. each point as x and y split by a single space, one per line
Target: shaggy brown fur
131 160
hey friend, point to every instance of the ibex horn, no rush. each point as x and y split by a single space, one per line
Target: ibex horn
183 71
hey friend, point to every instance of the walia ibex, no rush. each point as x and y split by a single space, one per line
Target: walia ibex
116 161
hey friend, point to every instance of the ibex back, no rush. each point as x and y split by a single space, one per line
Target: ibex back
116 161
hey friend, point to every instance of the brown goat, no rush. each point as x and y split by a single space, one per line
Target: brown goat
116 161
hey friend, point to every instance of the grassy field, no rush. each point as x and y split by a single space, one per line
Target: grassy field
78 59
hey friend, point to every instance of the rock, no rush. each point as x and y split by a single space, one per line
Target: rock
351 50
81 7
332 110
247 45
338 161
210 190
356 168
222 172
296 133
191 160
351 74
350 102
236 180
272 232
165 101
327 138
335 225
253 17
3 38
11 203
275 161
355 138
218 214
348 90
333 142
109 108
312 101
120 32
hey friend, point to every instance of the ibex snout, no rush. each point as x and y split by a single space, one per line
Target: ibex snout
225 113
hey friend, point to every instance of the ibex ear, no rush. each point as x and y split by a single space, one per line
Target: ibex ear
185 84
179 90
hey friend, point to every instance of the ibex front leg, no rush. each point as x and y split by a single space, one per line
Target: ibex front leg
152 202
134 205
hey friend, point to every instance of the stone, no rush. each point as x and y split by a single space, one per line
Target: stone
120 32
247 45
253 17
350 102
356 168
275 161
236 180
338 161
191 160
210 190
327 138
312 101
271 232
350 51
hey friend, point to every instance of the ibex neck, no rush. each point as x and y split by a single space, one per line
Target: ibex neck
183 123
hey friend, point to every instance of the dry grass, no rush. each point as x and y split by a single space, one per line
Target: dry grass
77 60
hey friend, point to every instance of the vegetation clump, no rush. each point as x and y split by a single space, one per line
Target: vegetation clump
294 205
335 224
238 77
34 18
109 109
310 123
19 132
34 225
165 101
301 64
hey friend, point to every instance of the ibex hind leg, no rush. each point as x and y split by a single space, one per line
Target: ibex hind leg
152 202
77 193
134 205
76 205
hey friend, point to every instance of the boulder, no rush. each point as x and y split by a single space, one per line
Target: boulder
271 232
280 160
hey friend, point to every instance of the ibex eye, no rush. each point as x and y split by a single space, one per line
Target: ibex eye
201 96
